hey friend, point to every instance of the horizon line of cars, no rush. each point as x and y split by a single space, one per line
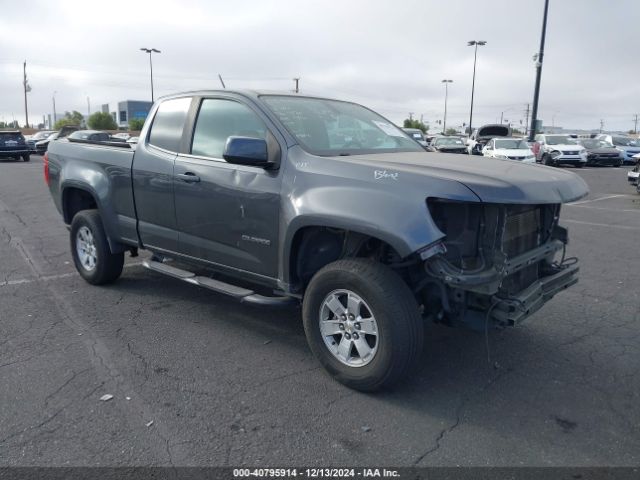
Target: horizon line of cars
497 141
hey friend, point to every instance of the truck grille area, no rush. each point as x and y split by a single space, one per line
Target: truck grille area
482 236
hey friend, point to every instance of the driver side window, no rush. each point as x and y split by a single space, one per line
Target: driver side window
219 119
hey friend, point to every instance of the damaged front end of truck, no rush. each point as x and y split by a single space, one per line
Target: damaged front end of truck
497 263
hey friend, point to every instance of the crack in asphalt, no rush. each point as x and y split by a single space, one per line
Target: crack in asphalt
458 419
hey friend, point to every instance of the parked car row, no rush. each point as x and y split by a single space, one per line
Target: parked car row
496 141
13 144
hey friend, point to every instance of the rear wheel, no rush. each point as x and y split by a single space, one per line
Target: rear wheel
547 160
362 323
90 249
26 158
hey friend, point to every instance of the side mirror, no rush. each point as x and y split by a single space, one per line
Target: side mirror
247 151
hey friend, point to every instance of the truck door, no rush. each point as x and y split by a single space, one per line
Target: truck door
152 174
227 214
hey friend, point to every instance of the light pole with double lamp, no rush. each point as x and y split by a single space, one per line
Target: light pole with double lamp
473 43
446 94
150 51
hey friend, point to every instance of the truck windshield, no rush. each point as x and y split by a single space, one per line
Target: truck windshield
330 127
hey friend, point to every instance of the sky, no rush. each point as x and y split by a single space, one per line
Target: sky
388 55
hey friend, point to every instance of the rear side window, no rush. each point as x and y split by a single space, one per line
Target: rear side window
220 119
166 130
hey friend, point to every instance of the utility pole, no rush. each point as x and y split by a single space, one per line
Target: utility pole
536 92
221 81
296 80
88 107
27 88
526 120
601 125
635 124
411 116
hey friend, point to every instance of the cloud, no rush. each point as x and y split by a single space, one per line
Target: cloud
390 56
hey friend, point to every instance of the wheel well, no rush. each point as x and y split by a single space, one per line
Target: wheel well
314 247
75 200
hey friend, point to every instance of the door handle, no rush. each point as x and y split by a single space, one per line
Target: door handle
188 177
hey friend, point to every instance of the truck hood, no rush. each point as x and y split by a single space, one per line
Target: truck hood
492 180
491 131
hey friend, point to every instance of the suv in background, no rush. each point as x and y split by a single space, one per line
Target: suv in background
13 145
627 146
559 149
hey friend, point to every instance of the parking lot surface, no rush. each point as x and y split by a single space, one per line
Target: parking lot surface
198 379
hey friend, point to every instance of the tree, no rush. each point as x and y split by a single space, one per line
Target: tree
135 124
73 118
451 131
409 123
102 121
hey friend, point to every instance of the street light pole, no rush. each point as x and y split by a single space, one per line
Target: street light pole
150 51
54 109
446 94
536 92
474 43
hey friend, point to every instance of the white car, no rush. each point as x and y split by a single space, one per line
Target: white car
509 149
559 149
634 174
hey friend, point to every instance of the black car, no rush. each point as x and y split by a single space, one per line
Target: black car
448 145
601 152
13 145
42 145
37 137
90 135
66 130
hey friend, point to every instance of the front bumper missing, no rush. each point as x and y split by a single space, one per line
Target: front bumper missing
516 307
525 303
488 281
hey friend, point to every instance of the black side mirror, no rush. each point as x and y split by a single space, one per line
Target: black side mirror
247 151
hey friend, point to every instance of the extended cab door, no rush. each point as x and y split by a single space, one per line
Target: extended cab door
227 214
152 174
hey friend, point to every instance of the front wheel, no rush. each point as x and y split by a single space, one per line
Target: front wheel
90 249
26 158
362 323
547 160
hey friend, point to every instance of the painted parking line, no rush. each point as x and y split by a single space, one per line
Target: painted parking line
48 278
596 199
607 225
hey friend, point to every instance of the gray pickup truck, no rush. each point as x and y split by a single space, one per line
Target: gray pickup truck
280 198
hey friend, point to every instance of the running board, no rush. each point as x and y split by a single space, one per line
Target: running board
239 293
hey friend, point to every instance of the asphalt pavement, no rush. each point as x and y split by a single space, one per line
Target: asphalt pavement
198 379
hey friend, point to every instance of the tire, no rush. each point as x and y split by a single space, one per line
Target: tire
26 158
579 165
397 344
97 265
